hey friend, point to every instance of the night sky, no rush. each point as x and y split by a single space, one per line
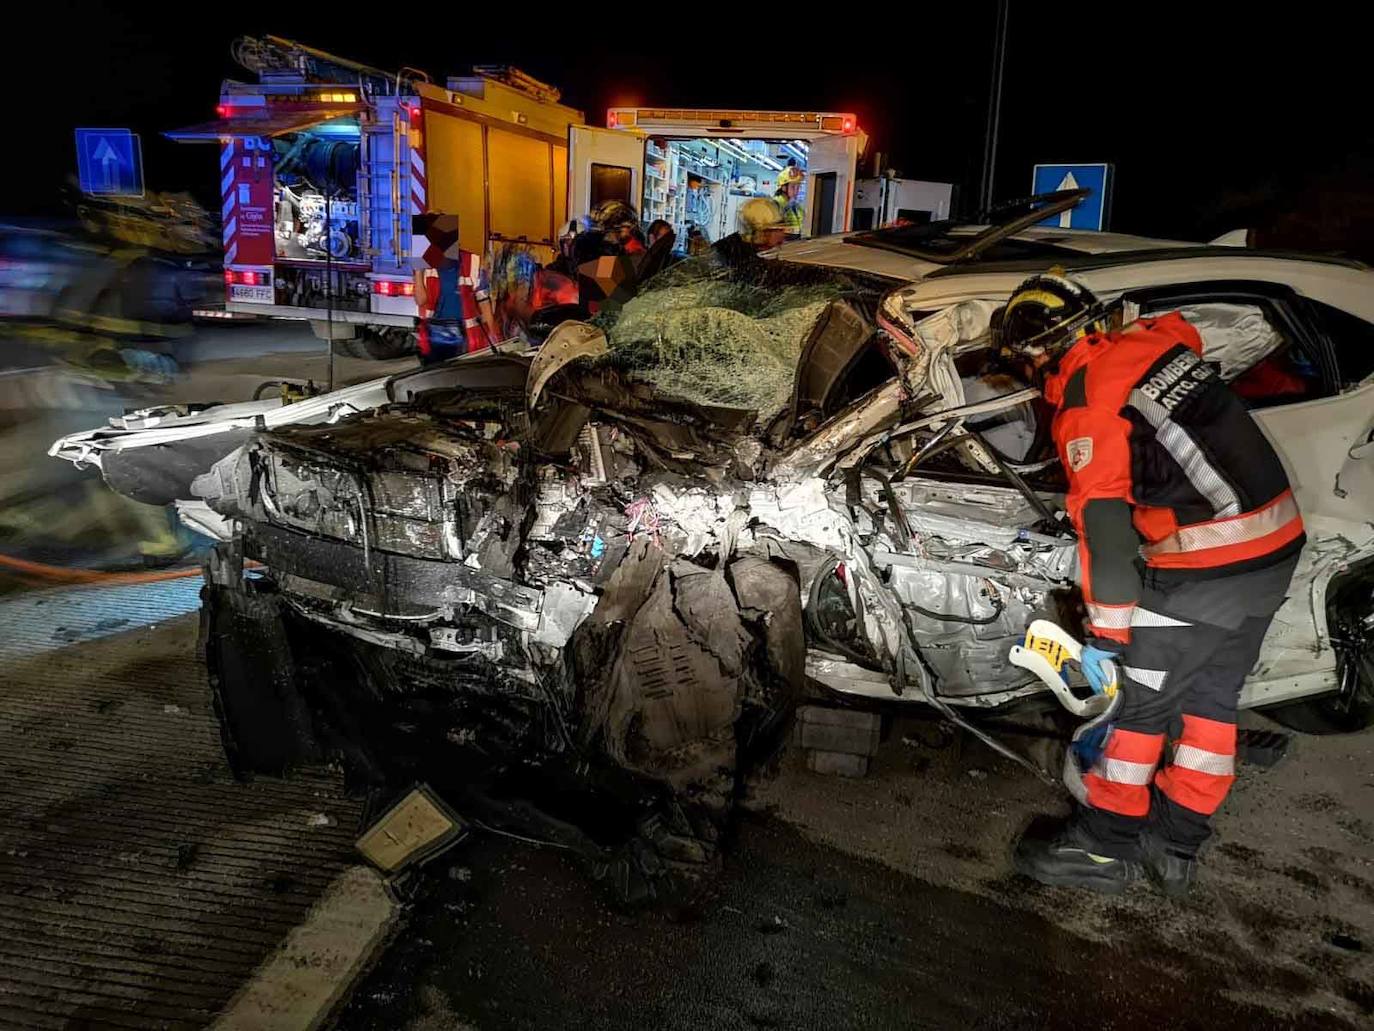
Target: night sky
1214 121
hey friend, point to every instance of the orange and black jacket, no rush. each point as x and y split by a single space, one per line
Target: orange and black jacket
1165 466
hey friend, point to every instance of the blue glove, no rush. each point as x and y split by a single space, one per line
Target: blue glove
1092 662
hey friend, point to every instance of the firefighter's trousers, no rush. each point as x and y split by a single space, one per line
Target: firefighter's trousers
1170 757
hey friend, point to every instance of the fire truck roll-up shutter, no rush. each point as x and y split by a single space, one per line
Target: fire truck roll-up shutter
521 177
454 172
275 123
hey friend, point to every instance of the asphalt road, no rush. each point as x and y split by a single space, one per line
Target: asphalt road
889 902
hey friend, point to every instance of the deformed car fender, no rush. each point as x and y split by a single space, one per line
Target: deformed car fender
570 341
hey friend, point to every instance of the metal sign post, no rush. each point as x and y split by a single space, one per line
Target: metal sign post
329 283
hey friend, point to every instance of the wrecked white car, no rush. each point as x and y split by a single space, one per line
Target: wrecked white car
580 591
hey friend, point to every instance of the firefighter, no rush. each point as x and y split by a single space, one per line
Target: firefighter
758 228
1188 536
619 225
786 197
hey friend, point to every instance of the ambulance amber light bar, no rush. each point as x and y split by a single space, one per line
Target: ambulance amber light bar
841 122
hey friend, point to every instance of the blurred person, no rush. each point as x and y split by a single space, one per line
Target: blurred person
456 313
662 240
564 261
697 243
660 228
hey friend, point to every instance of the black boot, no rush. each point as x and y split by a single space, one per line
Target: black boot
1068 860
1169 870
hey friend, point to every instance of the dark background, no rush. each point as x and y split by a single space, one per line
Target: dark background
1215 120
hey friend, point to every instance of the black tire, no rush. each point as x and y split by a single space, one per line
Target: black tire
1350 617
351 347
264 723
386 344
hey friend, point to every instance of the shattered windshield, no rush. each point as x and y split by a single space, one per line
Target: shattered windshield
729 334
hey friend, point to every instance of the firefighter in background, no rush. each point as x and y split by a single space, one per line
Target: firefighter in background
759 227
1188 536
787 198
456 312
619 225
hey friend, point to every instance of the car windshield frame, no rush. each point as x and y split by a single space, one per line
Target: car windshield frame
939 243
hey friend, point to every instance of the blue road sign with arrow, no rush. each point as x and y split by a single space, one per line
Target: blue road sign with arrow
1093 211
109 162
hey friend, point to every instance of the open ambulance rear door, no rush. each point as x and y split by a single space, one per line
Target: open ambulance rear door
604 164
830 167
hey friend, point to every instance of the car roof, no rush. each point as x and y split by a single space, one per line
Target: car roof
842 251
1342 284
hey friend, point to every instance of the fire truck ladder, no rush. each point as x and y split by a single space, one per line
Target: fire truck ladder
381 199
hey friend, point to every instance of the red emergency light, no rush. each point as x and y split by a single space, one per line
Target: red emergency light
849 125
611 119
235 277
391 288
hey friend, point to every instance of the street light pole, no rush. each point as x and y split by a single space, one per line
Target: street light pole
999 60
329 283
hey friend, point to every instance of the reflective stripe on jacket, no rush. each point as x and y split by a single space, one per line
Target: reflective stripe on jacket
1159 452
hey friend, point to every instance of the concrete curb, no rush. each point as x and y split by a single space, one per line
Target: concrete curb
299 985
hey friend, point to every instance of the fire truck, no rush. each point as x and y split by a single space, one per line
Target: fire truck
324 164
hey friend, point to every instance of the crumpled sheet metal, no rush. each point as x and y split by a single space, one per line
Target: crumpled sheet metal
804 511
201 518
564 609
968 659
568 342
225 485
699 514
874 412
957 327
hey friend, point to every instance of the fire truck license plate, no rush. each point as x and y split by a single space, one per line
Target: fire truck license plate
258 294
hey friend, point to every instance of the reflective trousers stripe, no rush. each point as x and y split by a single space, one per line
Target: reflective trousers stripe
1151 678
1193 758
1203 767
1120 782
1110 617
1144 617
1120 771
